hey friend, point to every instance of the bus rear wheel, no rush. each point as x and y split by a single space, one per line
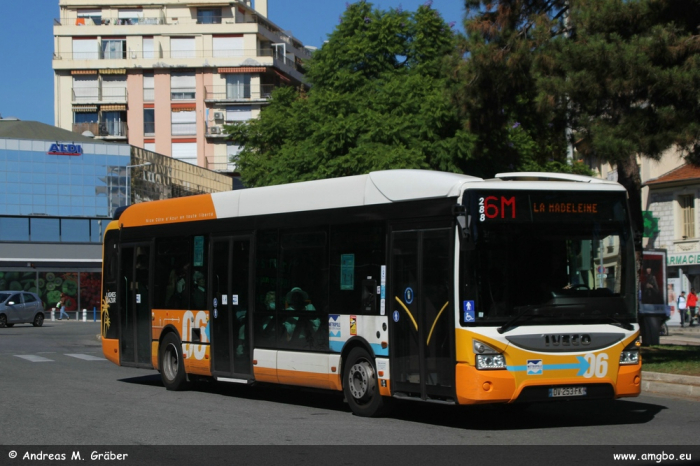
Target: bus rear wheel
360 385
172 366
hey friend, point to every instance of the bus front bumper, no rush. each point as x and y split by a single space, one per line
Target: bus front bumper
500 386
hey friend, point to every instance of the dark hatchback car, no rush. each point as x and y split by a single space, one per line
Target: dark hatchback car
20 307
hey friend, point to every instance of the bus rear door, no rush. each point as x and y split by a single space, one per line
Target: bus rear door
230 301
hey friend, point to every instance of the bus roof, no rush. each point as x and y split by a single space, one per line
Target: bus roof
380 187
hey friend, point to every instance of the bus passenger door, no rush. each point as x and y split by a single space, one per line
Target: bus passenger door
229 302
135 305
421 313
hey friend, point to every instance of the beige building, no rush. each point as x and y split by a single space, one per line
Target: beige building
167 75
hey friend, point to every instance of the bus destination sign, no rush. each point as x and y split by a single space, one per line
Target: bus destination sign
512 206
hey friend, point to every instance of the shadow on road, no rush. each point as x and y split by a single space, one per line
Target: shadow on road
482 417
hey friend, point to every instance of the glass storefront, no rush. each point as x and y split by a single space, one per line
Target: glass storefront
81 290
34 182
57 196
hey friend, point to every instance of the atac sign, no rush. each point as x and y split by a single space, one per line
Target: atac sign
65 149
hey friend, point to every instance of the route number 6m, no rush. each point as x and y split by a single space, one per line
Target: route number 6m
597 365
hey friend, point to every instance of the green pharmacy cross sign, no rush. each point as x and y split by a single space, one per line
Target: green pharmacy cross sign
651 224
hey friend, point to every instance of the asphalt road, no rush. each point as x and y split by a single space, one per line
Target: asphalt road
57 389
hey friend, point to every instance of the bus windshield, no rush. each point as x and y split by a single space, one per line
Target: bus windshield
548 258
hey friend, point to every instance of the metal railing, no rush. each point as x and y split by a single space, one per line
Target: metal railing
103 129
158 54
238 92
99 94
109 21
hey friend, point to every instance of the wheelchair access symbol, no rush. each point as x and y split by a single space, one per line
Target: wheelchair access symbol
469 312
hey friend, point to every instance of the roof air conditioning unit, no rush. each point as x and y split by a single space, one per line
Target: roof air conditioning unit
218 116
215 130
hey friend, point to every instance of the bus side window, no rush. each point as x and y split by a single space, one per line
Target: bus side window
303 279
173 274
266 299
357 254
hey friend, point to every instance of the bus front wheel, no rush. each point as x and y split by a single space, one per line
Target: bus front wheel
172 366
360 385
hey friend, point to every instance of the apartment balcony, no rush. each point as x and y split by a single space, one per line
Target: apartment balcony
238 93
110 20
161 54
98 95
104 130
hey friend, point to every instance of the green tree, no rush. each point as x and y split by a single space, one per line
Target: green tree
378 100
622 74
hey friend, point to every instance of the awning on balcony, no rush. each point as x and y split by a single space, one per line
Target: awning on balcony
113 108
84 108
183 107
113 71
83 72
243 69
282 77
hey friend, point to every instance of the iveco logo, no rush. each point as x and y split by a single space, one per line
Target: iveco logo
567 340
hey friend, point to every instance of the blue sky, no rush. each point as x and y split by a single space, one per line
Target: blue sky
26 43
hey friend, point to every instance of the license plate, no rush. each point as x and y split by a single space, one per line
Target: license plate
567 391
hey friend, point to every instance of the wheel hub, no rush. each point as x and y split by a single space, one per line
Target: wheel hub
361 380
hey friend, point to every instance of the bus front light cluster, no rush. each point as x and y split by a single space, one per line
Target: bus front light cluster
630 355
488 358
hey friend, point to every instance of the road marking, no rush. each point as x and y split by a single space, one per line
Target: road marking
33 358
86 357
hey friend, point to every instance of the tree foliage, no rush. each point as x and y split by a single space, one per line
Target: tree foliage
378 100
623 75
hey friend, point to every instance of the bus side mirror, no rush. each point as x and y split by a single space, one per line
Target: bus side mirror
464 220
369 295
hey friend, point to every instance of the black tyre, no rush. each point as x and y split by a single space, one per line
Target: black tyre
361 386
172 365
3 321
38 320
10 325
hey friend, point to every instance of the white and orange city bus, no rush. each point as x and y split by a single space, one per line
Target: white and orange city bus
397 284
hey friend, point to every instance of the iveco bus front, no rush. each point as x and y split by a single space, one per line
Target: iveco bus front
547 292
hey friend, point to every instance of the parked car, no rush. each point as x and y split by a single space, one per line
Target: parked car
20 307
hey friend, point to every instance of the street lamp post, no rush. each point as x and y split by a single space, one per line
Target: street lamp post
128 180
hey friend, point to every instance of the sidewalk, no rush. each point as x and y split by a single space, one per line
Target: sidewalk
670 384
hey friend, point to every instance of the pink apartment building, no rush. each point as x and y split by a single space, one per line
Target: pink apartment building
167 75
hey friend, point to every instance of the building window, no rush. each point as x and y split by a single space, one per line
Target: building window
238 113
148 87
148 47
228 46
238 86
85 49
183 86
89 17
149 121
209 15
114 48
113 124
184 123
182 47
185 151
687 204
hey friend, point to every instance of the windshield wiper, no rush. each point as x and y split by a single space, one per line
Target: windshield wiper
529 311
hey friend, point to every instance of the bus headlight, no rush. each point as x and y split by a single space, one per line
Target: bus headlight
490 361
630 355
487 358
